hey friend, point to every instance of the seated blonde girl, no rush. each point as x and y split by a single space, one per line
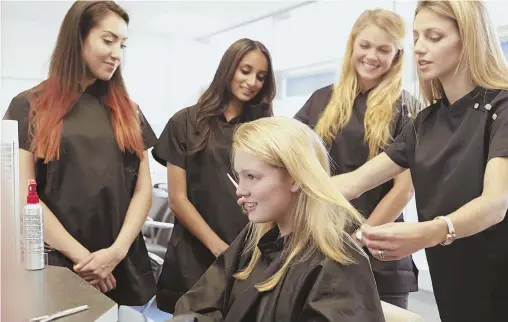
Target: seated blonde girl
294 261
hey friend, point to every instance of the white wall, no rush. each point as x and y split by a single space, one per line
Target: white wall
26 49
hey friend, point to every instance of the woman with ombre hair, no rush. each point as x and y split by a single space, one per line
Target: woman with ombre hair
358 117
84 142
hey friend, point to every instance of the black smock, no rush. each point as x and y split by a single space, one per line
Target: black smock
317 289
208 189
348 152
447 150
90 187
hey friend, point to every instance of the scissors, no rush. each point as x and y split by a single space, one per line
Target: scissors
232 180
54 316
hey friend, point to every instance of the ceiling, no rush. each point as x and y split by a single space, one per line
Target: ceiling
195 19
185 18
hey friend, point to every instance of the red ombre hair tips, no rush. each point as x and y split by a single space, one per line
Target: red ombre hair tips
51 100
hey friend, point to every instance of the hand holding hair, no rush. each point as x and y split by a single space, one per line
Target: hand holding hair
396 240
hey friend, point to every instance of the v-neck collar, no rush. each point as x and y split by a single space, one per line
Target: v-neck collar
235 120
271 246
272 242
97 89
464 100
367 92
479 99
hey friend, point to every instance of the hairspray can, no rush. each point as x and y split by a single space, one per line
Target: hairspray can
33 230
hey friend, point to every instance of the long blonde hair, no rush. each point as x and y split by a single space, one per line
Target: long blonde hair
481 54
322 213
381 102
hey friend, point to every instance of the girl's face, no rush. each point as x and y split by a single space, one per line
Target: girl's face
103 46
268 193
373 54
249 76
437 45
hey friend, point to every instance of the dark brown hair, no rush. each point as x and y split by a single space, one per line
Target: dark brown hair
214 100
53 98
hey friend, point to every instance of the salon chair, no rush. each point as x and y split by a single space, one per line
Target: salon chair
156 232
396 314
158 227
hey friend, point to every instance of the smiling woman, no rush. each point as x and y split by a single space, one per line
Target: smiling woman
196 146
358 117
295 261
457 152
111 31
85 142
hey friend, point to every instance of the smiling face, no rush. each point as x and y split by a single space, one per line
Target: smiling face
103 46
373 54
437 45
249 76
269 192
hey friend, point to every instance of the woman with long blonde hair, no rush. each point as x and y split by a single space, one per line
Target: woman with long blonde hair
457 152
358 117
294 261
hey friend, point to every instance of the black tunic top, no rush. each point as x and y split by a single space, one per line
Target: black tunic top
208 189
90 187
447 150
348 152
317 289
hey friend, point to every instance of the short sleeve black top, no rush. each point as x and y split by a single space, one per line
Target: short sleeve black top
90 187
447 150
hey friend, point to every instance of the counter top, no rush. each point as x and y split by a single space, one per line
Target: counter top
55 289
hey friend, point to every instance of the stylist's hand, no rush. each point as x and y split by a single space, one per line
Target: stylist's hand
355 238
394 241
218 247
99 264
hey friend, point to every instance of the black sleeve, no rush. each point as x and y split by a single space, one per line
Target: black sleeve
149 137
499 131
343 293
402 149
206 301
408 109
402 120
310 112
172 144
304 114
411 105
19 110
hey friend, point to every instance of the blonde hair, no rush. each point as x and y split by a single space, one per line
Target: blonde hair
481 55
381 101
322 213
